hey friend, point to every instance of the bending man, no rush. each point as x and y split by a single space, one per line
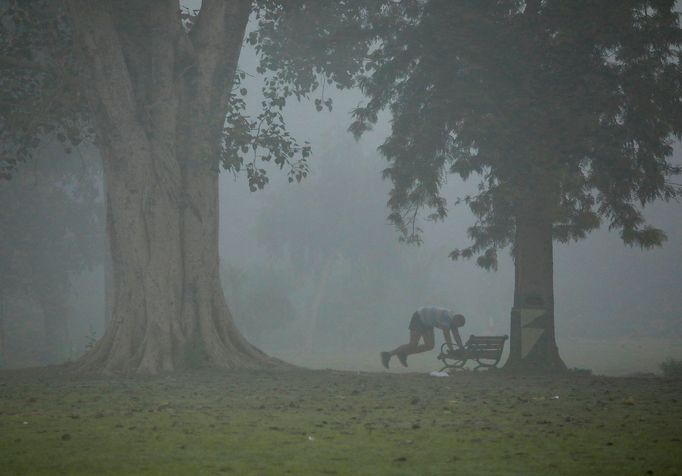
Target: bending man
422 324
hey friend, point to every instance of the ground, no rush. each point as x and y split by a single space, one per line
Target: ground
332 422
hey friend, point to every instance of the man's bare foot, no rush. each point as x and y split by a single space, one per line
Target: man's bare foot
403 359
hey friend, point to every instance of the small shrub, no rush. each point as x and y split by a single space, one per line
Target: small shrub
671 368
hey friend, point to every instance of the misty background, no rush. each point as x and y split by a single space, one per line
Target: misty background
314 269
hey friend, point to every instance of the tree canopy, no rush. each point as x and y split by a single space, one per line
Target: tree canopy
583 98
575 102
40 99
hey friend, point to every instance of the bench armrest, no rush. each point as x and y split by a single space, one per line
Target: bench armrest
456 352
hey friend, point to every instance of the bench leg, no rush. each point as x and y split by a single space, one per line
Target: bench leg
486 366
456 365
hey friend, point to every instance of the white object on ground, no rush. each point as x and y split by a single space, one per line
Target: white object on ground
439 373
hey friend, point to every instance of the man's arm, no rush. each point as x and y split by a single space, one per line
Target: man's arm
448 341
458 339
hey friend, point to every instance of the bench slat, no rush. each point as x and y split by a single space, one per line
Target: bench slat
487 355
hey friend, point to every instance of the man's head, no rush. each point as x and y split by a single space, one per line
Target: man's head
458 321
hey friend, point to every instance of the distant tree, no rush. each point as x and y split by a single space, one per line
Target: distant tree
260 298
566 110
351 274
49 210
52 224
320 225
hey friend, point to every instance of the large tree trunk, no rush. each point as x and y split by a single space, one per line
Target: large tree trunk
533 344
159 98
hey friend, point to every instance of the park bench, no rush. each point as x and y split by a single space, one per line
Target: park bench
486 351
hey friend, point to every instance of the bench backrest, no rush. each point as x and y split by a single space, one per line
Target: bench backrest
486 347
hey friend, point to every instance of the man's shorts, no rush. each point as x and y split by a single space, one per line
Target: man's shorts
416 323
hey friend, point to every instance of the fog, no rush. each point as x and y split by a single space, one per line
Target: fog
605 291
315 269
340 237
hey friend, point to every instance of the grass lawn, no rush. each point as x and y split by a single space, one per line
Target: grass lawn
331 422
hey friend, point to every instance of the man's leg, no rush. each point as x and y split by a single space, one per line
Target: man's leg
413 346
417 331
401 351
410 346
429 342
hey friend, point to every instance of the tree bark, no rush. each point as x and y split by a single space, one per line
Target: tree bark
159 98
533 343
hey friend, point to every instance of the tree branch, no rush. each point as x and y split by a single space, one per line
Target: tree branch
105 78
217 37
216 41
